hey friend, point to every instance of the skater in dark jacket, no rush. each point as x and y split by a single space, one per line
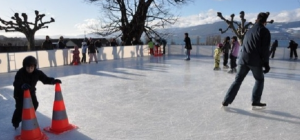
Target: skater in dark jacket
293 47
188 46
273 48
254 56
27 78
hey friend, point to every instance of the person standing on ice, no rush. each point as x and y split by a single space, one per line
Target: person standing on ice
225 50
27 78
188 46
254 56
234 54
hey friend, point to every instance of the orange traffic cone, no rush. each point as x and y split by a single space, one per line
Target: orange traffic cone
60 122
30 126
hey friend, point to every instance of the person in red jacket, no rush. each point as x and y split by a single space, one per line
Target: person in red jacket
76 57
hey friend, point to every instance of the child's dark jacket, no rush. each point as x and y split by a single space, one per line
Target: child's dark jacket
22 77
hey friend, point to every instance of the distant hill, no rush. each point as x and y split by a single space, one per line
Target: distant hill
289 30
281 31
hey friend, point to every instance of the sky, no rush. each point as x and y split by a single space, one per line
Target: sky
72 17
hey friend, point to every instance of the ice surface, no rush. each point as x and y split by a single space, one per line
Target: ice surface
163 98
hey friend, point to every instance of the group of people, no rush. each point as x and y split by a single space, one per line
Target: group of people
89 47
292 46
158 43
230 49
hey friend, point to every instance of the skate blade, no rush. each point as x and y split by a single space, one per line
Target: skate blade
226 108
258 107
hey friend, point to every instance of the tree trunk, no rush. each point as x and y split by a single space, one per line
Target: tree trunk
31 42
136 26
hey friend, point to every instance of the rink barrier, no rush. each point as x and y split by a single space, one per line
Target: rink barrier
11 62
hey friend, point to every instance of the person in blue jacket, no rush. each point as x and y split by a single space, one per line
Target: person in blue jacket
254 56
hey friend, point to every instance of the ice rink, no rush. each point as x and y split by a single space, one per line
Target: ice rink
163 98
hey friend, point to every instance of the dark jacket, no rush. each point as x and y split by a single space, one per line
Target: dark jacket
61 45
98 44
256 45
113 44
92 48
293 45
47 45
226 47
135 42
188 44
23 77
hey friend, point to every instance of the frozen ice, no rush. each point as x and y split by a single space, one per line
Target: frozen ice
163 98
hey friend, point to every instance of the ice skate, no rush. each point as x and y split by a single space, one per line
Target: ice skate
225 67
259 105
234 70
224 105
216 68
230 71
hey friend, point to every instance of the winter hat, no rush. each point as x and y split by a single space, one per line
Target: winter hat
262 17
234 37
227 38
220 45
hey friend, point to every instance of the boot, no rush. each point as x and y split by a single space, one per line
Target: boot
259 104
230 71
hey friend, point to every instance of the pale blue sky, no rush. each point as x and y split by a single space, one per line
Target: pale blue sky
73 16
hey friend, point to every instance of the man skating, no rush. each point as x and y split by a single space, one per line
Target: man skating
254 56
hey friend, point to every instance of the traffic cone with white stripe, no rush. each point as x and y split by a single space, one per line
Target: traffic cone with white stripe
30 126
60 122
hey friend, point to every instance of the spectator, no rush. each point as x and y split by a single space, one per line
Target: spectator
83 50
92 53
98 44
151 45
76 57
47 44
61 43
163 43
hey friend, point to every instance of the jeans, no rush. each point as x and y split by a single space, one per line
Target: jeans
232 61
83 60
225 59
241 74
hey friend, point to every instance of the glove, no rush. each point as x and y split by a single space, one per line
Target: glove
25 86
267 67
56 81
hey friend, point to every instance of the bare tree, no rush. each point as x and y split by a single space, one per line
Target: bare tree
22 25
238 28
131 18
